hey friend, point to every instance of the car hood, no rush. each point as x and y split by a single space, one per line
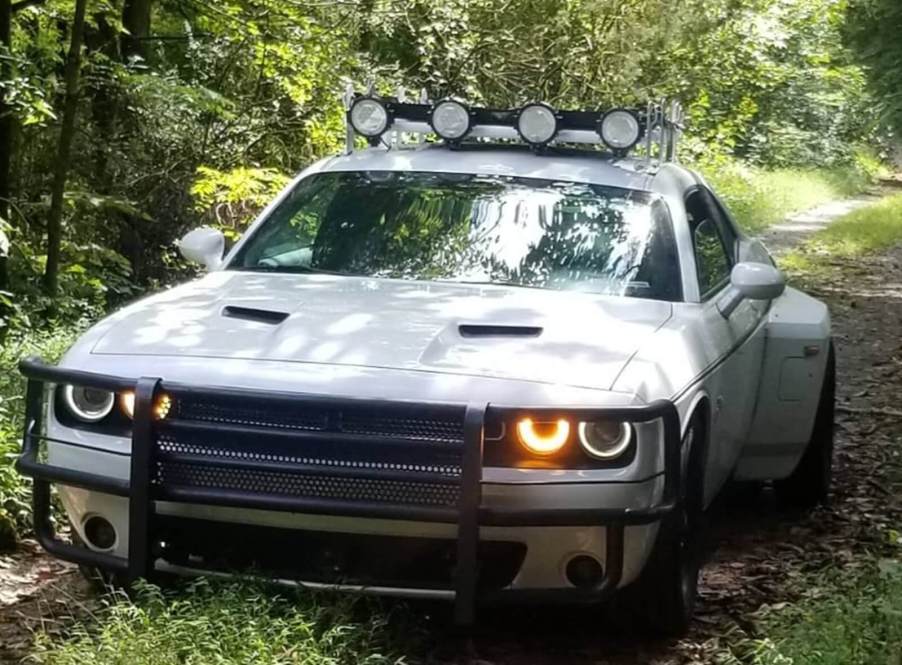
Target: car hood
570 338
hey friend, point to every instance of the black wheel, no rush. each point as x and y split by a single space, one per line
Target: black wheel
663 597
809 484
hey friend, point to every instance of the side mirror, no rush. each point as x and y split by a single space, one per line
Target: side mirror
204 246
752 281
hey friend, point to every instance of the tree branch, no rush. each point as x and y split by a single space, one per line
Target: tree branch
22 4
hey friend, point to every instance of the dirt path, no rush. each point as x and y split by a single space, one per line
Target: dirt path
762 556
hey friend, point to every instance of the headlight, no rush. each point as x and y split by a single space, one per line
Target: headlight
605 439
161 406
537 124
369 117
620 129
543 438
88 404
450 120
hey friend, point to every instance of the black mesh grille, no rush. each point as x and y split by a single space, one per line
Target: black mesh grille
319 449
298 484
421 424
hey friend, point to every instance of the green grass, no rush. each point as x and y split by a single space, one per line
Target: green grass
863 231
245 624
759 198
844 620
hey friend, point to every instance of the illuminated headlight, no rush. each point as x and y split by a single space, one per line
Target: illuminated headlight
537 124
620 129
369 117
543 438
161 407
450 120
605 439
88 404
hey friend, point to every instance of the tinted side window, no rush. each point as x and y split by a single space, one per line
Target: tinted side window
711 258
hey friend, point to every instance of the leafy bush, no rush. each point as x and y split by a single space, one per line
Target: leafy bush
225 623
15 512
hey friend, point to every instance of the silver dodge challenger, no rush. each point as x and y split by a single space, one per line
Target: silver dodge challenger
484 355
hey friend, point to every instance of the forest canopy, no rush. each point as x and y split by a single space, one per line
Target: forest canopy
125 123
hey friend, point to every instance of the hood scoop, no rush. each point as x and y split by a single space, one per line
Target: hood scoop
269 316
492 330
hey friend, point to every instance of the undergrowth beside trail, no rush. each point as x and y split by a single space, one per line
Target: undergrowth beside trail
238 623
758 197
841 620
14 493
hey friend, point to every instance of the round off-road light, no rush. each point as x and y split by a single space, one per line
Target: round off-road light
369 117
537 124
88 404
605 439
450 119
620 129
543 438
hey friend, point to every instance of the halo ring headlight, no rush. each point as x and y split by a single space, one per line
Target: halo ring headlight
450 120
88 404
537 124
543 438
605 439
369 117
620 129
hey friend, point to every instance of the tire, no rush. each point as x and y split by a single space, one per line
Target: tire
663 598
809 484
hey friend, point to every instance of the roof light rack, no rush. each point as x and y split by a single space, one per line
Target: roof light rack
396 123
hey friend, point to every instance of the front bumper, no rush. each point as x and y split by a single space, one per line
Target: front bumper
145 489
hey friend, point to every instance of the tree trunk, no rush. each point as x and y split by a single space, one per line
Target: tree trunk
136 21
61 166
6 141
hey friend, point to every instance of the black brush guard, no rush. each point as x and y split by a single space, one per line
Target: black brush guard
143 488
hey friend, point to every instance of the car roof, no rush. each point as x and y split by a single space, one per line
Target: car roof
518 161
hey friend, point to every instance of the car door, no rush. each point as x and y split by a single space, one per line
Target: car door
733 347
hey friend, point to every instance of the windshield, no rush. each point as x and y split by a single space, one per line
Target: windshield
471 228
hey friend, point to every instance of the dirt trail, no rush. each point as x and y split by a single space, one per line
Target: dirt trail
762 553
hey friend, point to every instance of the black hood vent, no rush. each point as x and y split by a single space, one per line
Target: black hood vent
478 330
252 314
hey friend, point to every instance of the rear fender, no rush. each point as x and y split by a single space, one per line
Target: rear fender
795 357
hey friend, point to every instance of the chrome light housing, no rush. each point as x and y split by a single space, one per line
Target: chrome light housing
537 124
89 405
605 439
450 120
369 117
620 129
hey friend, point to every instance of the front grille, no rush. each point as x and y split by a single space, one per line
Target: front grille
277 483
402 454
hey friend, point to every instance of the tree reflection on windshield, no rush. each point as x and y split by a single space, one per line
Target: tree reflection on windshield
478 229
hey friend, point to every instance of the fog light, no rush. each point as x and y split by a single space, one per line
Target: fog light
584 572
99 533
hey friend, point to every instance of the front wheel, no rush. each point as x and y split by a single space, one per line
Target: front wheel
809 484
663 598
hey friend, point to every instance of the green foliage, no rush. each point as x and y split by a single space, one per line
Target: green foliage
873 28
862 231
845 620
759 197
231 199
226 623
14 495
